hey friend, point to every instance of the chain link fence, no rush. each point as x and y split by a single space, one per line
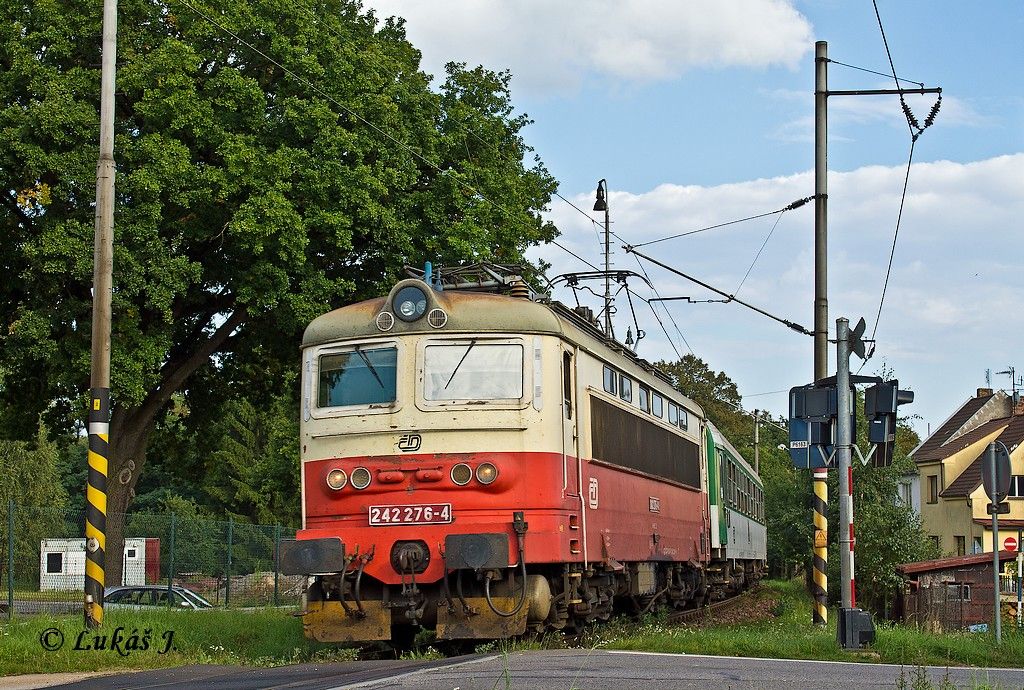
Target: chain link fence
167 559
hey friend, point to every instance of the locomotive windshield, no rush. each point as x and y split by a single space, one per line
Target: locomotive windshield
358 377
473 371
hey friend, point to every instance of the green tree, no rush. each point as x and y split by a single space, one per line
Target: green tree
31 482
716 393
263 178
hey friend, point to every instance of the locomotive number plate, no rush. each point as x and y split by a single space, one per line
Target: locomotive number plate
434 513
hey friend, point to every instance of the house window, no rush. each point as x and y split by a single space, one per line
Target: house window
935 541
54 563
130 553
958 591
905 496
1016 486
609 380
933 488
961 545
977 547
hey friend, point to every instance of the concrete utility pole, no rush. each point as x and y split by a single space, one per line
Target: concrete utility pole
820 476
103 260
821 95
757 442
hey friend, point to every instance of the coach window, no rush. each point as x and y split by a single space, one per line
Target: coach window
645 399
657 405
673 414
473 371
609 380
625 388
358 377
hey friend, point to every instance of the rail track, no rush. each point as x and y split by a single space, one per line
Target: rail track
693 615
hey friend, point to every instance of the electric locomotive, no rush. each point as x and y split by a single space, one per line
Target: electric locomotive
480 462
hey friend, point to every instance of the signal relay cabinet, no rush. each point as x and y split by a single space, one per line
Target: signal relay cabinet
854 629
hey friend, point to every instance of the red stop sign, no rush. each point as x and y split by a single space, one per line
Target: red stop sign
1010 544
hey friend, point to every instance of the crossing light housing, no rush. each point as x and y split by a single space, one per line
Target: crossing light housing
880 403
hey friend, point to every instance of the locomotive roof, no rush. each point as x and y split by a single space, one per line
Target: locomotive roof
477 312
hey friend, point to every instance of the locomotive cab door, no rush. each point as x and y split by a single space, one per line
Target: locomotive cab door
570 435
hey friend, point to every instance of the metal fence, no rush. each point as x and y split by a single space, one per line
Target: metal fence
229 563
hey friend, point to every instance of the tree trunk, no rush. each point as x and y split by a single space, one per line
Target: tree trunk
130 429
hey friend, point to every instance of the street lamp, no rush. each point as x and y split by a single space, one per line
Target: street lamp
601 204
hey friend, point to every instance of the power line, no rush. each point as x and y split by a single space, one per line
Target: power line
796 204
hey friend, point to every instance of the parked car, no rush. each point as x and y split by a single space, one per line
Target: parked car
142 596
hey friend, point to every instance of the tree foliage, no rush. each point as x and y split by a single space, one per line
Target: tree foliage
273 163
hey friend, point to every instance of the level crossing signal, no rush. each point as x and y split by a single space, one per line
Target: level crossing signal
813 410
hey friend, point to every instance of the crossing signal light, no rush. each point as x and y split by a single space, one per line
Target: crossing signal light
880 403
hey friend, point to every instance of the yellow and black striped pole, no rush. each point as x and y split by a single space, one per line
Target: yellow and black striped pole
820 501
96 506
102 293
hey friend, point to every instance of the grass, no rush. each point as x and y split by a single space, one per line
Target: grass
790 635
272 638
257 638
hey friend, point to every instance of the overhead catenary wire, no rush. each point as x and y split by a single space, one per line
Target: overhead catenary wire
758 255
796 204
731 298
880 74
912 125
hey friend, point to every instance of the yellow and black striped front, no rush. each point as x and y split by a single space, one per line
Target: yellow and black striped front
820 501
96 505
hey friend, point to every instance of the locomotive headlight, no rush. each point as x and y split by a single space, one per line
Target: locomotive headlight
486 473
360 478
462 473
336 479
410 303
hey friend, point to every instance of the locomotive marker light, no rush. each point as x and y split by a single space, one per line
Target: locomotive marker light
360 478
336 479
462 474
486 473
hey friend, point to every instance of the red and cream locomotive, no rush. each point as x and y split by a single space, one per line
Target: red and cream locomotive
483 464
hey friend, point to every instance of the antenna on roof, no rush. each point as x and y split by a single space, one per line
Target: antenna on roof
988 378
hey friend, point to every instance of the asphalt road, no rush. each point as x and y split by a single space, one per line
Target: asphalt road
558 670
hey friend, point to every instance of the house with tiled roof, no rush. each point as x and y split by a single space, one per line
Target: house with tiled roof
947 488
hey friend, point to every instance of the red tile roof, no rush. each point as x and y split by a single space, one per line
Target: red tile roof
954 562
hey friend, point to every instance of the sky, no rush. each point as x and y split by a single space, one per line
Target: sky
702 112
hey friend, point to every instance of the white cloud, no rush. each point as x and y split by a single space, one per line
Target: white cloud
952 302
552 46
